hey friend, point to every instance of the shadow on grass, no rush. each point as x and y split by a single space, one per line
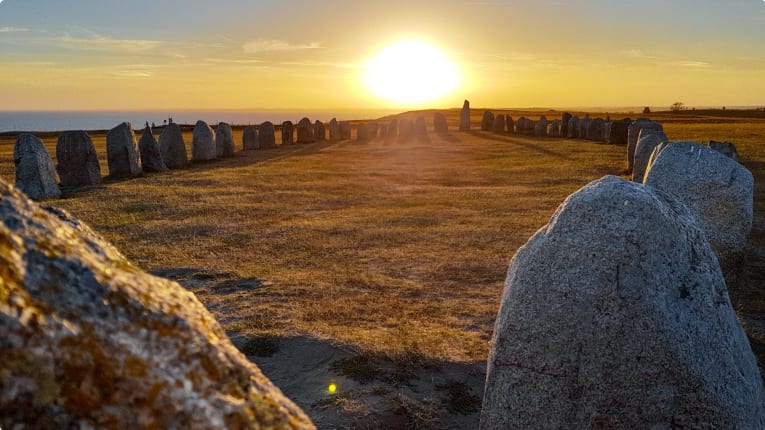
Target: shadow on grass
506 138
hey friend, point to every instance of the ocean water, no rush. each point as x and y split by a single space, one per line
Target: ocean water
104 120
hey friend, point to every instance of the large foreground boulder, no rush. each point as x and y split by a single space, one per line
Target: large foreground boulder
122 152
87 340
615 315
718 191
224 140
151 156
203 146
35 174
173 147
77 160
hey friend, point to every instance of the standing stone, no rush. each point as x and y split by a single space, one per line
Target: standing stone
540 128
372 129
151 156
250 139
203 146
393 128
122 152
319 134
405 129
564 124
555 128
718 191
726 148
510 124
615 315
362 133
383 134
224 141
267 135
334 130
487 122
465 116
77 160
420 128
499 124
607 130
632 136
597 130
573 127
345 130
172 147
619 132
288 132
647 142
35 174
305 131
439 123
520 124
88 340
530 127
584 126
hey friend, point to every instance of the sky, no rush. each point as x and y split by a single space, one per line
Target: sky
312 54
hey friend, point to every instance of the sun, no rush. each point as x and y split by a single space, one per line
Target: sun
411 73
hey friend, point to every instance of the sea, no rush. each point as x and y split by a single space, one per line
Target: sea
46 121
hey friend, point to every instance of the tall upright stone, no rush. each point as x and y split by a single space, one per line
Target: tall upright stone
499 124
439 123
319 132
35 174
465 116
345 130
564 124
334 130
224 141
632 137
717 190
77 161
420 127
573 127
267 135
510 124
122 152
540 128
250 138
405 129
520 125
619 132
373 127
288 133
362 132
172 147
615 315
555 128
203 146
305 131
584 126
151 156
647 142
393 128
487 122
597 130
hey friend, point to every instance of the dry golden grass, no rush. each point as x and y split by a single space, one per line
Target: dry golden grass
397 247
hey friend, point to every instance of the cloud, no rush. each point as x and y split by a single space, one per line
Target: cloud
274 45
338 65
691 64
100 43
636 53
135 71
12 29
227 61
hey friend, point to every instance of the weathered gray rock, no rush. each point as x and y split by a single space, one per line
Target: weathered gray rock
122 152
584 125
597 130
726 148
77 161
203 146
319 132
420 127
465 116
499 124
718 191
607 130
305 131
224 141
35 174
565 118
334 130
151 156
632 136
439 123
250 139
555 128
619 132
87 340
345 130
540 127
267 135
648 140
573 127
615 315
172 147
288 133
487 121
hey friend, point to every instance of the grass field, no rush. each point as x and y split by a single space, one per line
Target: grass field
396 248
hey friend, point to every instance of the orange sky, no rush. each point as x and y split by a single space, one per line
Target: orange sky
238 54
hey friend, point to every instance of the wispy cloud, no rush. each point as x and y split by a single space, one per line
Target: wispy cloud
690 63
275 45
636 53
337 65
101 43
229 61
136 71
12 29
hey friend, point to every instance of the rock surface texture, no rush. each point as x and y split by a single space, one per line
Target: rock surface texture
77 160
647 142
615 315
203 146
250 138
718 191
267 135
305 131
319 131
35 174
151 156
726 148
122 152
87 340
288 133
633 132
224 141
173 147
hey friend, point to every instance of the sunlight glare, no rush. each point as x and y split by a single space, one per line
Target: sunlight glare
411 72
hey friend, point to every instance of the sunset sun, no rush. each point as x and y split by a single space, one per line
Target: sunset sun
411 73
